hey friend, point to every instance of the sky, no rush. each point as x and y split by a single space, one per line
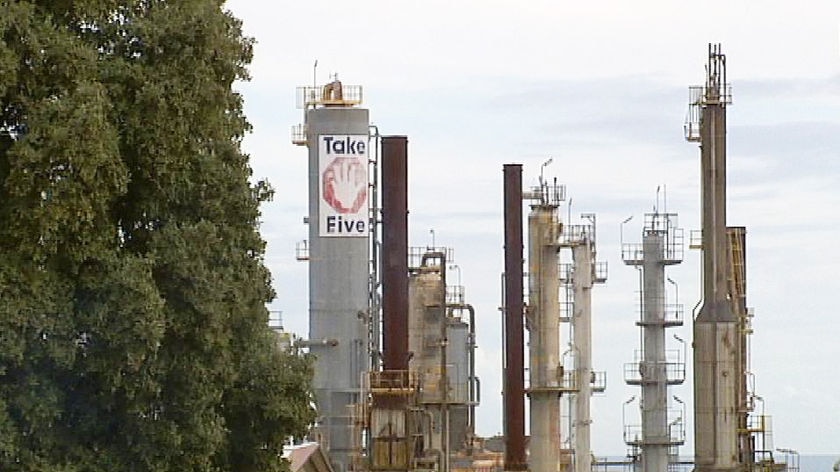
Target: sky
602 89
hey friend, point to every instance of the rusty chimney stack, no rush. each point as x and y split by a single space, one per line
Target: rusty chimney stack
514 371
395 252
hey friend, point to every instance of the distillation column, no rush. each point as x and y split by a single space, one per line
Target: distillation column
716 337
428 333
661 246
584 274
336 133
543 312
582 329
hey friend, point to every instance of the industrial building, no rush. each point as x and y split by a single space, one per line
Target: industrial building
394 340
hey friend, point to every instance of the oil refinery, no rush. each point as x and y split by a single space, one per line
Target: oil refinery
393 333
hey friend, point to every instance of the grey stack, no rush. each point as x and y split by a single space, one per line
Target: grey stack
338 283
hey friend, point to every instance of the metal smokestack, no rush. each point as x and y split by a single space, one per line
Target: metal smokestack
716 263
716 340
514 374
395 252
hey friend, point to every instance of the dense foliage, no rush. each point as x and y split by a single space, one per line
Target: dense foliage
132 286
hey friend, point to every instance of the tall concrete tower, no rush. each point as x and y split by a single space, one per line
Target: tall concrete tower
655 440
716 338
336 134
585 273
543 322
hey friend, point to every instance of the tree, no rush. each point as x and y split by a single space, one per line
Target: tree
133 327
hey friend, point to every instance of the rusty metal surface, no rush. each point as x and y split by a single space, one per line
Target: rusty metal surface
395 252
514 374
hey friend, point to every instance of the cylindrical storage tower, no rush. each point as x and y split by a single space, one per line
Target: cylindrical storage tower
338 268
457 356
582 255
425 327
543 315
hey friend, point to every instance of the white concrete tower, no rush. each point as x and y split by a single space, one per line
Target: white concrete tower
583 275
543 323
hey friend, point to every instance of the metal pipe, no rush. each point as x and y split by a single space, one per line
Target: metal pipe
444 375
375 301
514 394
443 386
332 342
472 380
471 373
395 252
583 256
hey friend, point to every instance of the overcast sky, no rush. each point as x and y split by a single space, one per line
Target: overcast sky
602 88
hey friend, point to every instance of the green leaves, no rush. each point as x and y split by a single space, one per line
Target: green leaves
132 289
65 174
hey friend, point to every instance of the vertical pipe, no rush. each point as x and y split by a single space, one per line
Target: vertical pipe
444 375
375 300
582 255
395 252
472 378
514 385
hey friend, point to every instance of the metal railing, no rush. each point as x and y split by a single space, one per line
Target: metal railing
634 435
455 295
546 194
416 254
699 97
308 96
672 250
672 315
299 134
695 239
302 250
389 380
640 371
600 272
598 381
567 382
566 272
577 234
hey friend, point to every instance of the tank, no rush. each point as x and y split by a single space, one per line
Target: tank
457 357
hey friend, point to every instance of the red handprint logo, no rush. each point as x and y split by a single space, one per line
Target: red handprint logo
345 184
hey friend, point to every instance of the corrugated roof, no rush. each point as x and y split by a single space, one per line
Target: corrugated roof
299 454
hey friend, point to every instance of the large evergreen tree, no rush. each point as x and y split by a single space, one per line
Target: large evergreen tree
132 286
